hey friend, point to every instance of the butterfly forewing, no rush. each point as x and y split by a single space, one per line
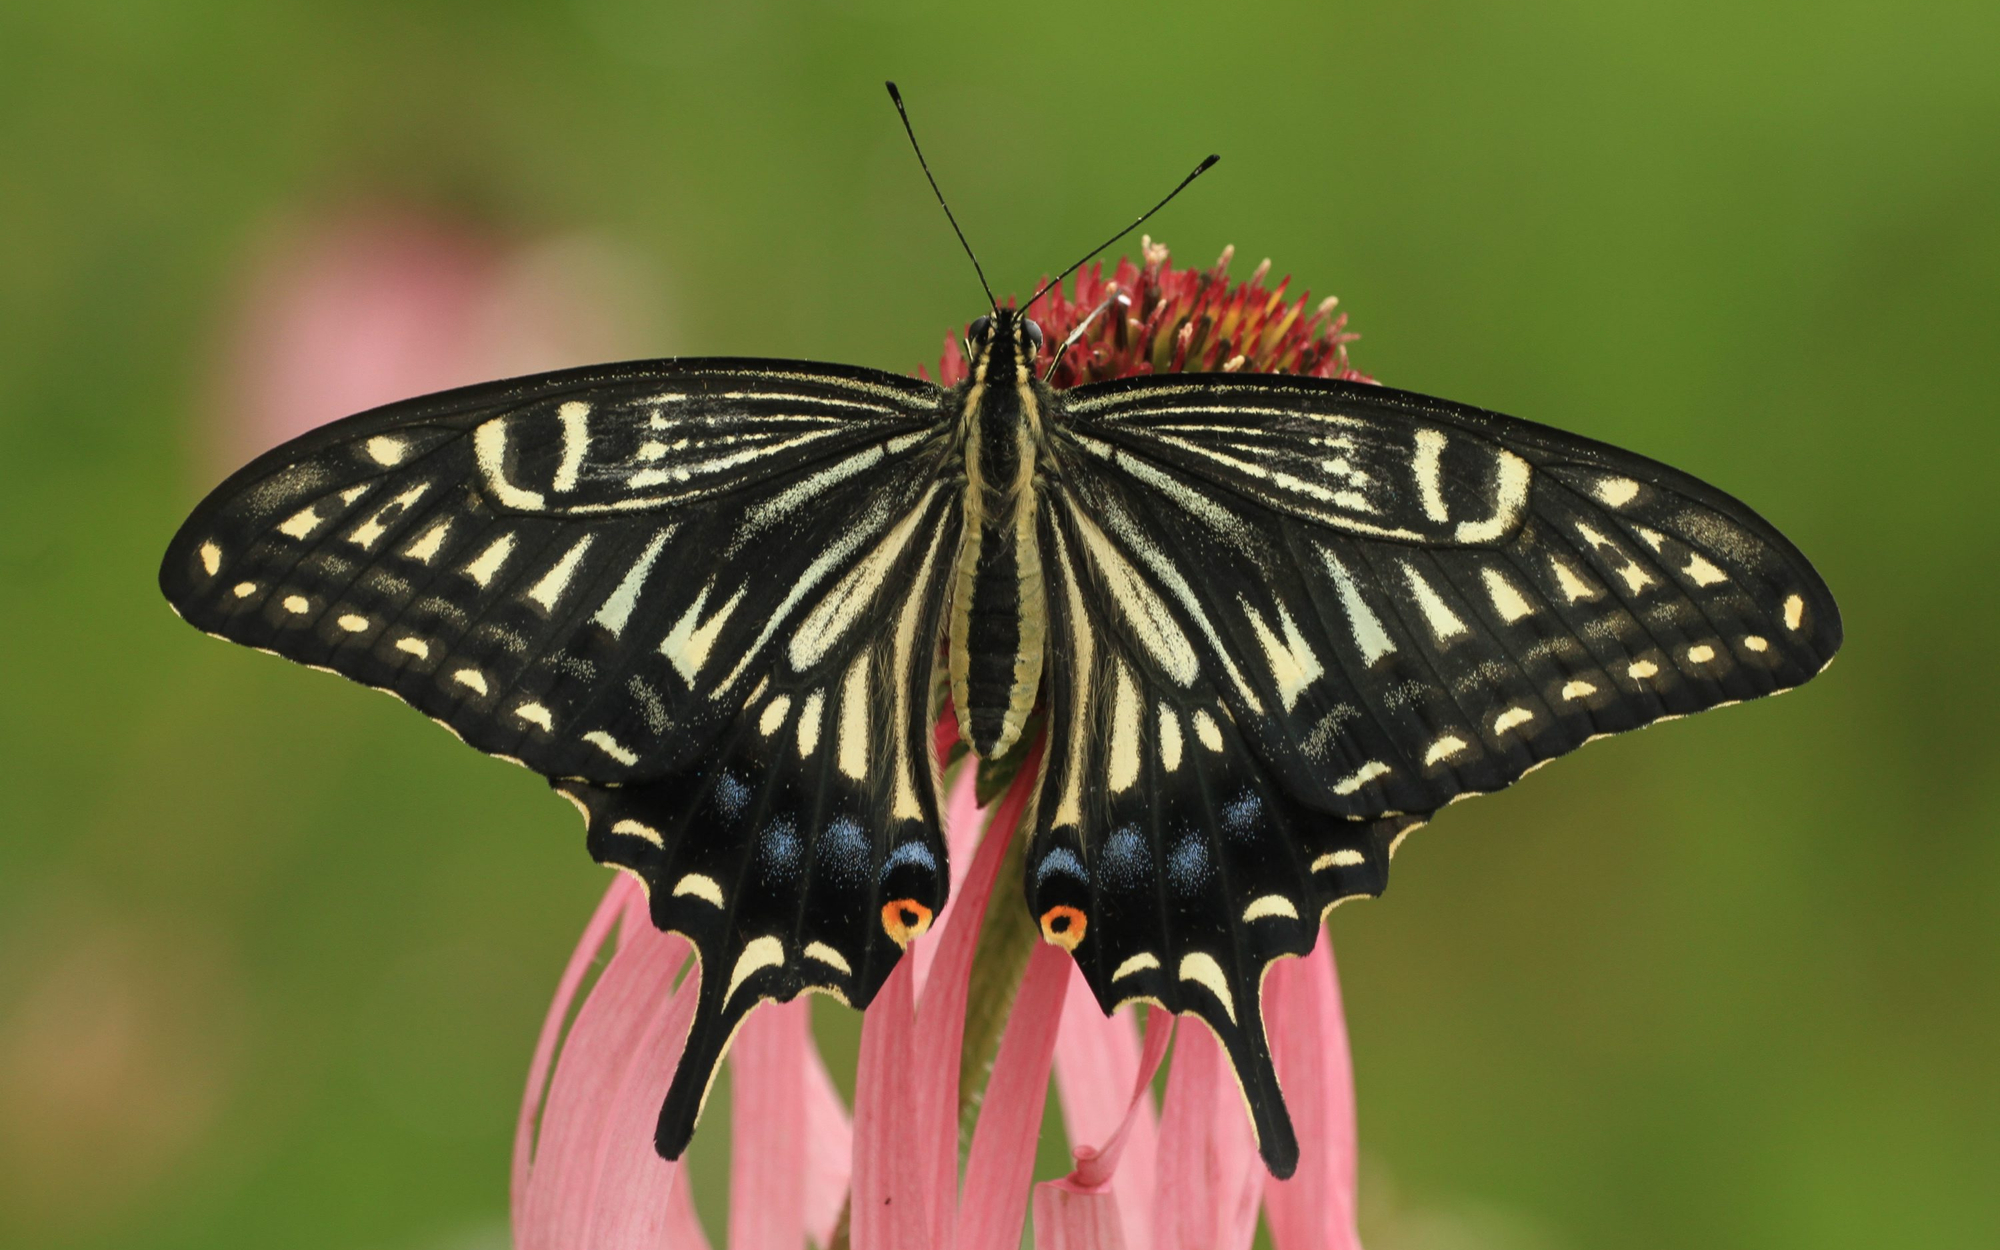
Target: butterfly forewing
1406 600
583 572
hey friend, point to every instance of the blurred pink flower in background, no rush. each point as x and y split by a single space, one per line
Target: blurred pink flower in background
376 305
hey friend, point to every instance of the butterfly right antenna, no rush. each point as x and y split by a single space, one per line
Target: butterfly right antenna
1199 170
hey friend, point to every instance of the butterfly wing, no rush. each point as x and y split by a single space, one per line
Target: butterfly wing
701 596
1167 856
1293 617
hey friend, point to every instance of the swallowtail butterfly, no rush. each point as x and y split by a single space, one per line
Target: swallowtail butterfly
1273 622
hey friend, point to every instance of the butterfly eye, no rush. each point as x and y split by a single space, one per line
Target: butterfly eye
979 328
1034 334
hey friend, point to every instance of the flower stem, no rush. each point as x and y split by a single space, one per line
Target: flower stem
1006 940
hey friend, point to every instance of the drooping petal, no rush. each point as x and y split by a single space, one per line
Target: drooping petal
767 1154
1097 1165
941 1014
1002 1161
1096 1057
829 1151
1209 1171
594 1178
1315 1209
1097 1064
609 909
1096 1207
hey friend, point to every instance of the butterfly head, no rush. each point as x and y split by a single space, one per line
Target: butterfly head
1001 341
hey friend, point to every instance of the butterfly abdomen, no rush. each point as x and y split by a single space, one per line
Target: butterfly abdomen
997 617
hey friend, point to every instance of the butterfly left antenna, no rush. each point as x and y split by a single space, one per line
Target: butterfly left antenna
902 112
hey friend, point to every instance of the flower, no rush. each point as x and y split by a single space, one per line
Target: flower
894 1177
377 304
1158 319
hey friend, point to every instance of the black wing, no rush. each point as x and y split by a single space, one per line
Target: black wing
1311 613
701 595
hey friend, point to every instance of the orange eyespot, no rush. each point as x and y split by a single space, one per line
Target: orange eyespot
905 920
1064 926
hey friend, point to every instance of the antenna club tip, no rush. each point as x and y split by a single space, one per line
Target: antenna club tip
897 96
1213 157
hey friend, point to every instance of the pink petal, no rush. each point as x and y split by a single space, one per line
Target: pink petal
961 836
1078 1219
1208 1170
829 1151
594 1179
1097 1066
1002 1160
940 1031
1098 1166
355 313
1096 1058
1315 1209
767 1158
374 306
1085 1209
906 1100
890 1192
607 915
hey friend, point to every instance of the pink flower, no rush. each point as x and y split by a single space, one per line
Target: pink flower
1158 319
381 304
1181 1177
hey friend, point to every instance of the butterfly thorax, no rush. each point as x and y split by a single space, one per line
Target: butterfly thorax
997 619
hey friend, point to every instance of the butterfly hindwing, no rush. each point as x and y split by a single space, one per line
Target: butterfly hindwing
1166 856
803 852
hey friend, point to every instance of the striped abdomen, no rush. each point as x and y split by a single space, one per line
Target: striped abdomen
997 616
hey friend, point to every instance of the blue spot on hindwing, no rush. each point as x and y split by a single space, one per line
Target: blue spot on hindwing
843 852
779 850
731 795
1188 865
1240 816
1126 863
1063 860
909 853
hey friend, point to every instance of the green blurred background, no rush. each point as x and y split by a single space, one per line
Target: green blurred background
273 949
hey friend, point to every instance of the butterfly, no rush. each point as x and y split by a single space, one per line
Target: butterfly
1267 624
1272 624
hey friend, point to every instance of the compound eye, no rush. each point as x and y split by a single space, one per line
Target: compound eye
980 327
1034 334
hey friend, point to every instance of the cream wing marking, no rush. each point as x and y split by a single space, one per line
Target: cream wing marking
688 644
